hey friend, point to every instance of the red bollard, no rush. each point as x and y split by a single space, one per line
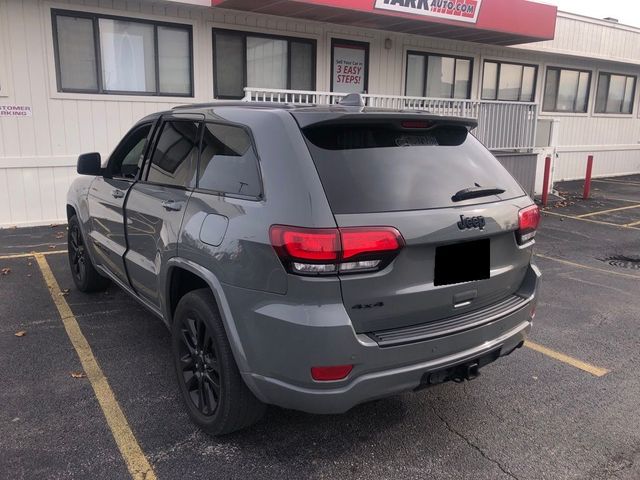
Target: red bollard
587 179
545 184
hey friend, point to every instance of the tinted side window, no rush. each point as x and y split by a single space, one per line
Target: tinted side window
174 158
126 160
228 163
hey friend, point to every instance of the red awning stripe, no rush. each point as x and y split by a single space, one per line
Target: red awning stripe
501 22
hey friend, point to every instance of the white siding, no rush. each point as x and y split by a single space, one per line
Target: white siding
614 140
592 38
37 154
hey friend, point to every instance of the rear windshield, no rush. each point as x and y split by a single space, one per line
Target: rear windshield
385 167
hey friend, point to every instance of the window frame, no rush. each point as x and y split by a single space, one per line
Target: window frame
587 96
335 41
95 18
497 86
152 124
426 56
5 76
247 130
633 93
247 33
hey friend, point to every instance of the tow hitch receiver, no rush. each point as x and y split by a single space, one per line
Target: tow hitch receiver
469 372
459 373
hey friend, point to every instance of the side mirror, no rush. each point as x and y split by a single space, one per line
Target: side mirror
89 164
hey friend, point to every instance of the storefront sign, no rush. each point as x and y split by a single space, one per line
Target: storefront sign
349 68
15 111
460 10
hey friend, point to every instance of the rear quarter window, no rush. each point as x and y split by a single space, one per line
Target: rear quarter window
385 167
228 162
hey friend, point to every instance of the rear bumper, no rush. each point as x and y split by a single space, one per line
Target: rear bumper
378 384
281 351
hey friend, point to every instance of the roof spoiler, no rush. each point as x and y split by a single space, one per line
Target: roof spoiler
308 118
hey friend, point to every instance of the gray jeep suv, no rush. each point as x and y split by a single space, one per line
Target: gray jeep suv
309 257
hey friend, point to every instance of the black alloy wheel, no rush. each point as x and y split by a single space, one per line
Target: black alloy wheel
77 254
200 366
84 274
213 391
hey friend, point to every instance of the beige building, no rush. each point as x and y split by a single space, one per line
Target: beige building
75 76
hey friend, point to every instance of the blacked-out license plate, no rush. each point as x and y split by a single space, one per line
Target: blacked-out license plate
462 262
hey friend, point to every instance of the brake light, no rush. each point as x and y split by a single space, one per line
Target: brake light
317 251
327 374
307 243
357 241
528 221
416 124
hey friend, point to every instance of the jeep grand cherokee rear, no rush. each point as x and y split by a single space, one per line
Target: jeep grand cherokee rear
312 258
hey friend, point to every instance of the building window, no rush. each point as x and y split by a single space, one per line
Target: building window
615 93
511 82
349 66
566 90
438 76
262 61
104 54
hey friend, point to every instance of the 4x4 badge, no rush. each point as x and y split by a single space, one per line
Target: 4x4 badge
471 222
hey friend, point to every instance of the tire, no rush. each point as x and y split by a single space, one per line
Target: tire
84 274
216 397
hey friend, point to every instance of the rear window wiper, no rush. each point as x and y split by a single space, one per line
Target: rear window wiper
476 192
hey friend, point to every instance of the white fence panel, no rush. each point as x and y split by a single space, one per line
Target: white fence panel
501 125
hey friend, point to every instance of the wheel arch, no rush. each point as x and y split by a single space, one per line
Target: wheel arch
177 264
71 211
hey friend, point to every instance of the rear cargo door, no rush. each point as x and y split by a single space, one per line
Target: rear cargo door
460 253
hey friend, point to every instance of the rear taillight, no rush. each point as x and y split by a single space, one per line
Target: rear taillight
322 251
528 220
369 240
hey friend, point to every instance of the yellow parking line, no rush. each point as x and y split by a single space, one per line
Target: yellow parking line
587 267
621 182
134 457
599 222
632 224
608 211
617 199
32 254
574 362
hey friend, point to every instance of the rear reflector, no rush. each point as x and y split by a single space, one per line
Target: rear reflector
322 251
327 374
528 221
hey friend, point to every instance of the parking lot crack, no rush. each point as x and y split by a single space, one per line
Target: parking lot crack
474 446
618 464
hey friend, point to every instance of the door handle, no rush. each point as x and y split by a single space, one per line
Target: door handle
172 205
115 193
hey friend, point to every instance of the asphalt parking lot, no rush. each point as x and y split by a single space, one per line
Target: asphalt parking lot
565 407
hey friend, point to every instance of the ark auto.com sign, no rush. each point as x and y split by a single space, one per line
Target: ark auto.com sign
460 10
